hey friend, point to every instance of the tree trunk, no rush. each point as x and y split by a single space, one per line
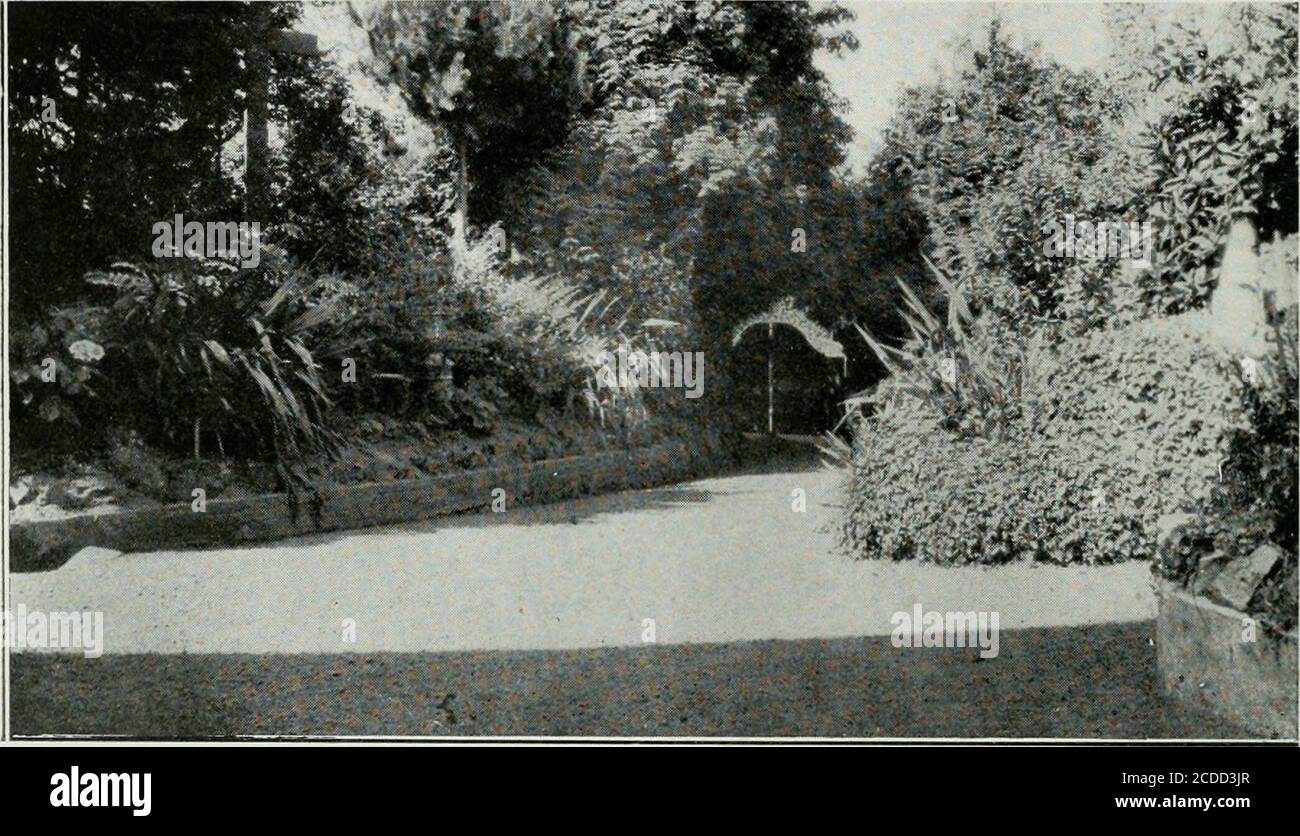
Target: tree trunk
255 140
460 218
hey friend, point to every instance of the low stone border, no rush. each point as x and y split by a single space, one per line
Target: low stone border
1205 663
48 544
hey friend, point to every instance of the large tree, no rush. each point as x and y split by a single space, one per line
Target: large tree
689 100
615 116
124 114
117 113
1010 144
503 78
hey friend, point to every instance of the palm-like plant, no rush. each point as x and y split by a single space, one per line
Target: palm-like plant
231 356
970 372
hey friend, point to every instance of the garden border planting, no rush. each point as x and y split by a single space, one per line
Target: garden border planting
1204 663
48 544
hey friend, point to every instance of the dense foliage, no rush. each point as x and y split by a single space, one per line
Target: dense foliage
1255 502
491 344
988 448
1188 128
364 214
658 117
1215 110
1059 412
994 155
592 176
159 90
205 352
54 375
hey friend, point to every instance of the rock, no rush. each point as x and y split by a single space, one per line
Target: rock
91 556
1237 583
20 492
1208 568
1168 524
82 493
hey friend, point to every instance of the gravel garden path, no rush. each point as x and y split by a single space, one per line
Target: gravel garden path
602 606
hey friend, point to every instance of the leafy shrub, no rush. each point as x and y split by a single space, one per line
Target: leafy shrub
406 325
991 155
647 281
435 350
483 347
391 450
1104 435
1192 124
1217 103
200 353
136 465
1257 499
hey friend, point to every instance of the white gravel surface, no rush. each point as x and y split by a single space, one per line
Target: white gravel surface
715 560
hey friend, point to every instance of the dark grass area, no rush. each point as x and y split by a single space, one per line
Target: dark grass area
1092 682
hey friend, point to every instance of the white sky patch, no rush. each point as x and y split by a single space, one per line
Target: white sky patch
344 43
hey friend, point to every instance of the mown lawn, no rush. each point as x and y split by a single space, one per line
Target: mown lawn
1094 682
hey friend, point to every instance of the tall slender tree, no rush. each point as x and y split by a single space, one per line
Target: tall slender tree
502 77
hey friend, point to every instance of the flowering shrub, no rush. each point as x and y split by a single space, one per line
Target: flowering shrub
54 374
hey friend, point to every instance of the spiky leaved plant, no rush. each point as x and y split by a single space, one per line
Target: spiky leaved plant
970 370
205 352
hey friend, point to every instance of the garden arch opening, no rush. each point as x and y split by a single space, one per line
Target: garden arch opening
791 365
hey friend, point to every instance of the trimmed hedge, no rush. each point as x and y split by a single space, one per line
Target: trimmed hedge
1112 431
